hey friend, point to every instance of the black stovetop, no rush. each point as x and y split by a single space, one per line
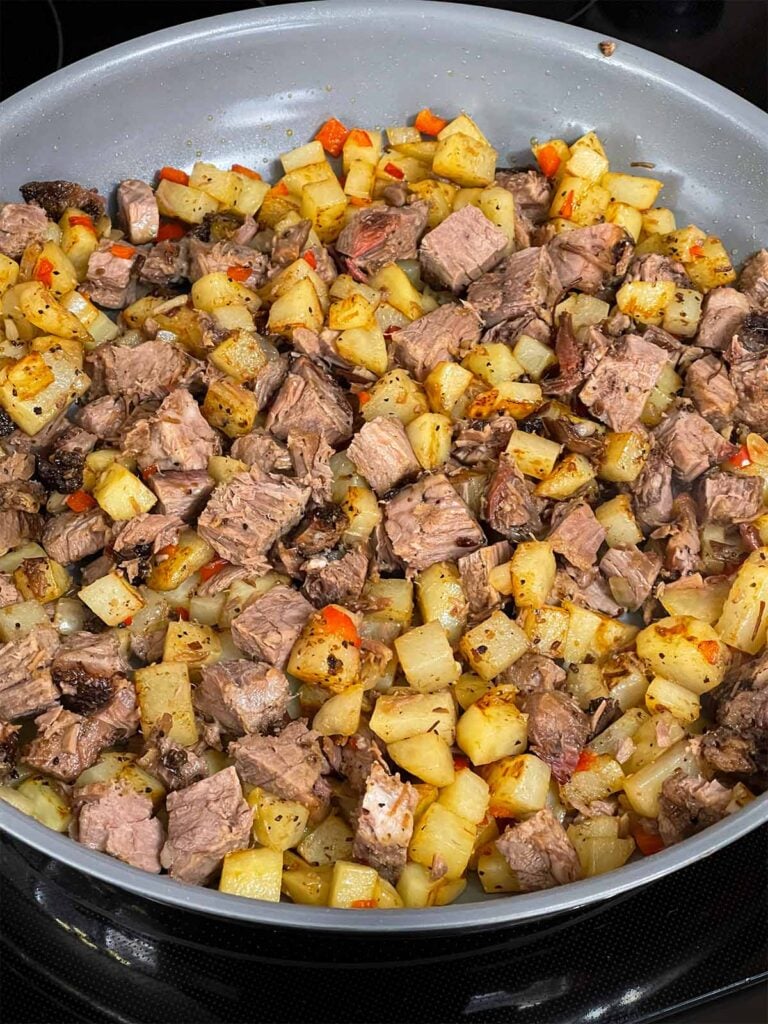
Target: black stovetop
694 945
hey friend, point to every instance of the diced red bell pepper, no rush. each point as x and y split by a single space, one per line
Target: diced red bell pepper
549 160
81 220
332 136
246 172
586 760
394 171
171 229
43 272
239 273
360 137
647 842
310 258
567 207
429 123
123 252
212 567
80 501
338 622
741 459
173 174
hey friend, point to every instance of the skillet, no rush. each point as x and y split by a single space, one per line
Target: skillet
246 86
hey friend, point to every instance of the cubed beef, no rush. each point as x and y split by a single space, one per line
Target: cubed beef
150 370
310 455
438 337
166 263
460 249
138 210
26 684
577 356
110 281
511 507
588 259
534 673
310 402
223 580
620 384
70 536
288 246
576 534
725 498
146 533
290 765
385 823
68 742
268 628
481 443
182 494
584 587
653 267
206 821
383 454
57 196
722 314
708 384
320 347
261 449
539 852
557 730
689 804
245 517
21 496
475 568
753 281
427 522
177 767
16 527
103 417
8 592
336 581
631 574
16 466
20 225
681 555
119 822
354 756
177 436
533 196
218 257
269 380
652 491
62 469
692 444
525 282
97 655
381 235
242 696
750 380
739 745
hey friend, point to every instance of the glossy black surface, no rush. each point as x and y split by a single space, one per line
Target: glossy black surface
692 945
96 954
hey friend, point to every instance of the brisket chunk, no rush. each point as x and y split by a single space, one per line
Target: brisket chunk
150 370
138 210
383 454
57 196
20 226
176 437
110 281
460 249
722 314
524 283
652 491
557 730
631 574
577 535
166 264
119 822
708 384
26 684
652 267
385 822
691 443
70 536
753 281
534 673
539 852
688 805
438 337
336 581
620 384
181 494
379 236
242 696
310 402
725 498
512 509
268 628
588 259
482 597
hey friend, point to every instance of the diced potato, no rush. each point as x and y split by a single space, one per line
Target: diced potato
256 874
364 346
546 629
121 494
518 785
700 598
9 273
623 457
46 313
632 189
597 780
469 688
417 888
569 476
440 831
163 690
241 355
223 186
324 657
362 145
441 598
427 756
398 166
598 845
182 202
278 824
645 301
310 153
658 221
206 610
493 645
468 161
579 200
111 598
293 274
190 554
584 310
682 313
533 569
492 727
94 320
430 435
305 884
298 307
426 657
711 267
686 651
626 217
60 269
403 713
395 394
390 600
467 796
439 197
607 742
360 180
340 716
646 739
493 363
585 162
217 289
41 799
512 398
78 239
744 620
617 518
329 842
625 677
21 619
535 455
41 579
465 125
494 873
534 356
353 886
585 683
664 695
311 174
398 290
191 643
121 768
352 311
583 625
230 407
324 203
12 559
251 195
643 788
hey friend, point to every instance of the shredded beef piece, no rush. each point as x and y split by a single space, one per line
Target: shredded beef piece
753 281
175 437
726 498
691 443
652 491
653 267
688 805
310 402
26 685
20 226
588 259
379 236
138 210
181 494
576 534
539 852
524 284
385 822
618 387
482 597
577 357
557 730
722 314
631 574
511 507
708 384
533 673
72 536
338 581
270 625
150 370
166 264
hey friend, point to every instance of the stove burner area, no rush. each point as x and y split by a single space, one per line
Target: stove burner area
80 950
